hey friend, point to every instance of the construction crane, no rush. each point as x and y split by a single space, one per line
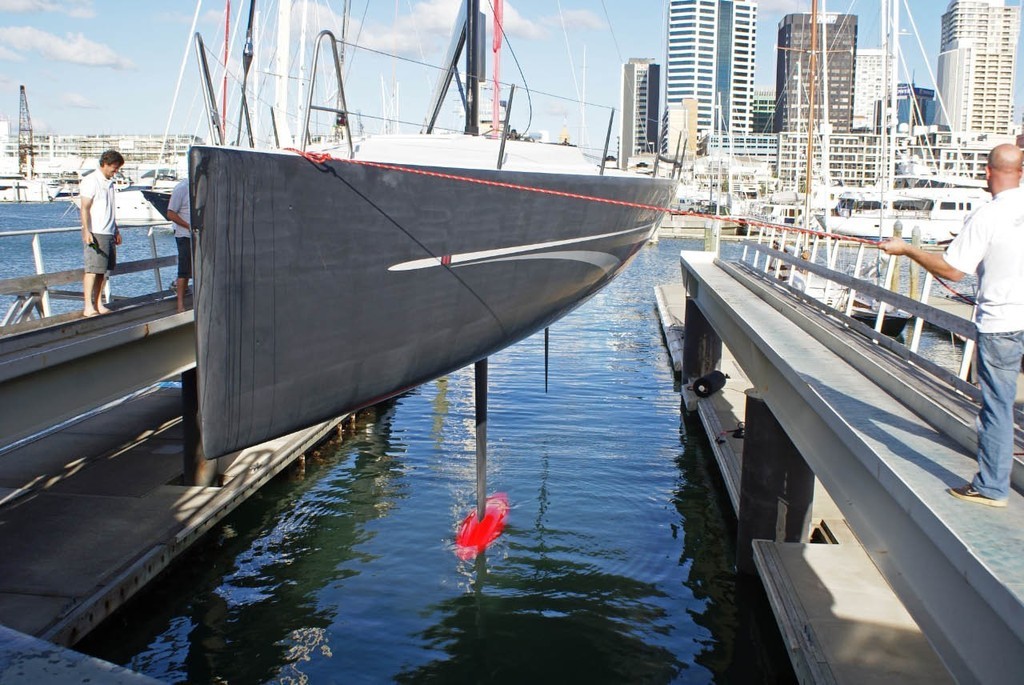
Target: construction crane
26 155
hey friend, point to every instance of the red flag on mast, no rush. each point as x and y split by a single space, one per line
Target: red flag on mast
495 83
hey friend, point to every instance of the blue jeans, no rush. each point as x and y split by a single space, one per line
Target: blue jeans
999 358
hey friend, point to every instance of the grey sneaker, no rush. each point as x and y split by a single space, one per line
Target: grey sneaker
967 493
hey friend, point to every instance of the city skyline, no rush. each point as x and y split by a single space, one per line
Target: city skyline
90 68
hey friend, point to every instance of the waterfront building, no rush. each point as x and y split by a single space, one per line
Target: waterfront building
834 92
868 87
854 159
638 125
763 147
762 116
681 128
711 49
958 153
57 152
977 62
915 106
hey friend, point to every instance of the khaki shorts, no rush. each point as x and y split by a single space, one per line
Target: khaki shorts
105 258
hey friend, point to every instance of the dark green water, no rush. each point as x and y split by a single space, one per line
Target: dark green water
616 566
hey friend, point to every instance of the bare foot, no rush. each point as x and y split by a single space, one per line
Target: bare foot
102 310
89 312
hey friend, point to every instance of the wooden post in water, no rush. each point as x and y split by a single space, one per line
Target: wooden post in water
196 469
915 273
712 235
776 485
702 348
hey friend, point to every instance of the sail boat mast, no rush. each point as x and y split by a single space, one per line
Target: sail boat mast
473 27
811 79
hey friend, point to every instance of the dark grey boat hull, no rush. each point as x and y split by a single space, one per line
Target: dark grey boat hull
321 289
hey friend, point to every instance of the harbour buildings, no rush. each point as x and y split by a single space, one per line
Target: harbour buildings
641 90
868 87
57 153
977 61
711 48
838 33
763 111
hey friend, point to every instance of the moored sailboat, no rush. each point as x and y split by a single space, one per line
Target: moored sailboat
329 282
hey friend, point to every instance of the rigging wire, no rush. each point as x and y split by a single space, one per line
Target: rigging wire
526 86
611 30
181 75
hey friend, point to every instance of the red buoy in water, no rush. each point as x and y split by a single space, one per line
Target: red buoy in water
474 535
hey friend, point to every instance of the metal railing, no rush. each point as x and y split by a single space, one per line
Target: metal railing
807 264
33 293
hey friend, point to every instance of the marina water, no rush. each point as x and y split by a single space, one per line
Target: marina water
616 565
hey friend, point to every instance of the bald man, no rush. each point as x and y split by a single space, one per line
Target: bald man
990 245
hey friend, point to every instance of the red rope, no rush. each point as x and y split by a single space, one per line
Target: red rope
323 158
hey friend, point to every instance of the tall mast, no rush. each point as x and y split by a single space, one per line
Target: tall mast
811 79
473 27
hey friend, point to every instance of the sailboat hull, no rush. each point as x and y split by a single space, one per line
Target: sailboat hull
323 288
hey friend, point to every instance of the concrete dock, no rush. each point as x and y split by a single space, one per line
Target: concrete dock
95 509
839 618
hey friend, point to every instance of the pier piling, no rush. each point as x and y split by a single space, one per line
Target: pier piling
776 485
196 469
702 348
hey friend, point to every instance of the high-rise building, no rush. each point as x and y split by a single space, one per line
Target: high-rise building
834 82
868 86
762 111
638 127
977 61
711 47
915 106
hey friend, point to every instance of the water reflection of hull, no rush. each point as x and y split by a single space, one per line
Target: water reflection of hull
322 288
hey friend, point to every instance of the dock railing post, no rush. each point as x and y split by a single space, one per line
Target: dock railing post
776 485
196 469
915 275
37 257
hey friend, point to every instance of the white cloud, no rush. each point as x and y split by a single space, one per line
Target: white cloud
517 25
781 7
10 55
72 8
77 101
74 47
428 26
578 20
424 30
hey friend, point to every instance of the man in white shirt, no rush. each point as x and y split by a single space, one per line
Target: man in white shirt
991 245
179 212
99 230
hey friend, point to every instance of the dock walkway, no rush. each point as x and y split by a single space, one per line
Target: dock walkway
94 510
956 567
839 618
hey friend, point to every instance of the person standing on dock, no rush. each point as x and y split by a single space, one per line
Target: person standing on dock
991 245
99 230
179 212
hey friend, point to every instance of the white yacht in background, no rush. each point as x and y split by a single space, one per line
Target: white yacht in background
936 205
17 188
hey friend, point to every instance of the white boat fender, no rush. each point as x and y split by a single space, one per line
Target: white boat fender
707 385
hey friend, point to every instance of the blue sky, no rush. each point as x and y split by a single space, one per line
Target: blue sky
110 66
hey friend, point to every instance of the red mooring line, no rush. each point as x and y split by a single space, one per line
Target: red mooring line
323 157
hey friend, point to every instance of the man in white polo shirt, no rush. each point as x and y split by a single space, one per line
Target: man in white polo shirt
99 230
990 245
179 213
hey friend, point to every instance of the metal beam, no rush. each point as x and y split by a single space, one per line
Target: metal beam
956 569
53 375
